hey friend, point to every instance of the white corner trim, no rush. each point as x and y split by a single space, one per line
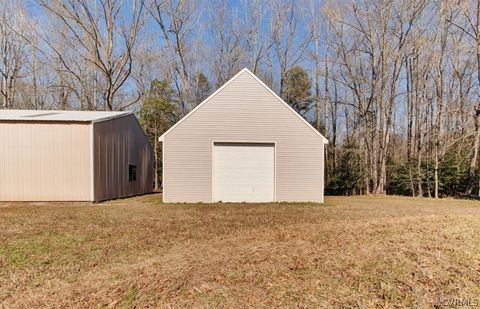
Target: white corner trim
163 173
92 165
211 173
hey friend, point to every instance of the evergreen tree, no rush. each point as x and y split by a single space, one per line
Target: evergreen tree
202 88
349 176
158 113
297 90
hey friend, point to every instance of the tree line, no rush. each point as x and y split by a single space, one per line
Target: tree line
393 85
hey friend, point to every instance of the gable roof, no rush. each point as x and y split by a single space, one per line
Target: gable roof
58 115
245 70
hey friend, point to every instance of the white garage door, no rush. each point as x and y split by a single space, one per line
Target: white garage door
243 172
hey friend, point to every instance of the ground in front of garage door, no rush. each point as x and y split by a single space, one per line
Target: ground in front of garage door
350 251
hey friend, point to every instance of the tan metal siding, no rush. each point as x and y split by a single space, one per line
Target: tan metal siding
44 161
243 111
118 143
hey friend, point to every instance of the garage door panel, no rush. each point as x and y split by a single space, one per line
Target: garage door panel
243 172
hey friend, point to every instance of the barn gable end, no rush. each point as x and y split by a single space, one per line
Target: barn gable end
244 110
242 77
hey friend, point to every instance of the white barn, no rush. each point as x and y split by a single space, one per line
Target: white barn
243 144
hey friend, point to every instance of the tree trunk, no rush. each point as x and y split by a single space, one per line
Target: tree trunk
473 162
155 159
4 92
412 185
334 127
436 170
327 91
109 99
419 171
409 108
318 114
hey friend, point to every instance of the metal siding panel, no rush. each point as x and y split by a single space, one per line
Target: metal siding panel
44 162
243 111
118 143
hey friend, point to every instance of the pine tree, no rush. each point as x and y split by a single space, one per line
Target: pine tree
297 90
158 112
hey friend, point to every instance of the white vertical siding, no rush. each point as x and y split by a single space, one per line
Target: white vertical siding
44 161
244 111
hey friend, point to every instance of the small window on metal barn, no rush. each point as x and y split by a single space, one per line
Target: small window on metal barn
132 172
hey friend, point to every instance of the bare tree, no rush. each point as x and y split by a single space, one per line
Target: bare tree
178 21
225 34
150 64
256 43
371 42
102 37
395 83
315 30
289 40
471 27
13 49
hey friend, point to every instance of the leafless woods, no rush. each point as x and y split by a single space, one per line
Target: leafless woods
394 85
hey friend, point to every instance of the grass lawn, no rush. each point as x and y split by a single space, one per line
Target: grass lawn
138 252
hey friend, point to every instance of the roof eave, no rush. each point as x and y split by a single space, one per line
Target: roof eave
112 117
47 118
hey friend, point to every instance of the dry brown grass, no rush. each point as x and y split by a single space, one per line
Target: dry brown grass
350 252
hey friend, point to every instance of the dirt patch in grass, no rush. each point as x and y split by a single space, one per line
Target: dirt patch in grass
349 252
